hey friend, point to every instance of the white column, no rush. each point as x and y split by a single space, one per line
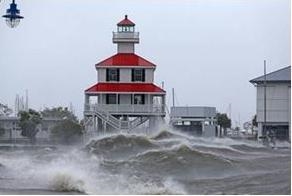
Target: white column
163 103
150 108
86 102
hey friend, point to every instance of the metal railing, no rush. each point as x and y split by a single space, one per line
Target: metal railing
126 108
126 35
114 122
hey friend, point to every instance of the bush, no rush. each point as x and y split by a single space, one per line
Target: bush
29 122
67 132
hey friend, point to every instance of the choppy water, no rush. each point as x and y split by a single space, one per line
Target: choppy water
164 163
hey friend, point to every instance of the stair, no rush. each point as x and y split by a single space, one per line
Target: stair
120 124
138 121
108 118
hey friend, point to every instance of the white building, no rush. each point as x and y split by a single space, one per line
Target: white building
196 120
124 96
278 103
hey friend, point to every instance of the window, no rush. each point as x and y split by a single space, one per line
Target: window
112 75
138 75
139 99
126 29
111 99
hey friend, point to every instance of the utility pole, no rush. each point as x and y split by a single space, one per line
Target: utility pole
265 99
26 100
173 97
230 110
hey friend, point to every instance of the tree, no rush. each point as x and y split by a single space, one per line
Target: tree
67 132
29 122
224 122
59 112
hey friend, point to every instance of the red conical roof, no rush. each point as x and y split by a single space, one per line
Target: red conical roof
125 59
147 88
126 22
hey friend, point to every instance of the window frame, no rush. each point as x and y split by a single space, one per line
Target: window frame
136 77
108 98
142 99
112 74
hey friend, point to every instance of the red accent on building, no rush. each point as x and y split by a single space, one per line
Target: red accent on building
125 59
125 87
126 22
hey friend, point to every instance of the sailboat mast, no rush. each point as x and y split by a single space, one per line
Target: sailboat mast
265 99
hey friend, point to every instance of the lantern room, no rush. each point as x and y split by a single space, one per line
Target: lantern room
125 37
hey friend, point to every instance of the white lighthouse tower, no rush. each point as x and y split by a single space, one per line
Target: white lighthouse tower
125 95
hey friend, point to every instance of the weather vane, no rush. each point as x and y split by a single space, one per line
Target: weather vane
12 15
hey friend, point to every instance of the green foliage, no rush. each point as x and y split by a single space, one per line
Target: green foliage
223 120
59 112
29 122
67 132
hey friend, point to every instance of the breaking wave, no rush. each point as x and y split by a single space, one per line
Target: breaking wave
63 182
165 134
119 146
167 162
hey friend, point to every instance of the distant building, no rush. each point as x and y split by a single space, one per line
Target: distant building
10 125
278 103
199 121
125 95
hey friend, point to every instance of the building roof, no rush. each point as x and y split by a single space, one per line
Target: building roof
281 75
125 59
193 112
126 22
125 88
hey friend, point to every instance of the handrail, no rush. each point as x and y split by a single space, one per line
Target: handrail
126 108
125 35
102 111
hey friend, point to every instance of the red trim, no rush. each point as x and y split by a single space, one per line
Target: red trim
125 59
126 22
125 87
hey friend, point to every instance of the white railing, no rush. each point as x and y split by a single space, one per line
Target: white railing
138 121
116 123
125 35
126 108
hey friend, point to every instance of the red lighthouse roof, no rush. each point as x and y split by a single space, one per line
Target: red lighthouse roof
125 59
125 88
126 22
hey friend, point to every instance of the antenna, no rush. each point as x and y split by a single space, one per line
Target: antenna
230 110
265 98
26 100
16 105
239 124
173 97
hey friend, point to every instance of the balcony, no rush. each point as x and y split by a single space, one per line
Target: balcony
126 37
126 109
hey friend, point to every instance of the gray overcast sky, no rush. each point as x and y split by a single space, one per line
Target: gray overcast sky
207 50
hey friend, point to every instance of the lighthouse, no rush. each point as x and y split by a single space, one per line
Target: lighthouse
125 96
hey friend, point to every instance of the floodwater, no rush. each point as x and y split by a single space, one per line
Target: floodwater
163 163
